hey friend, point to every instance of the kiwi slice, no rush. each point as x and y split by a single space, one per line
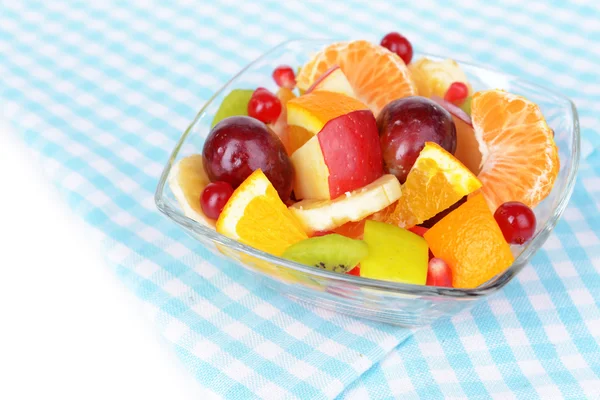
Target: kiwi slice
234 104
332 252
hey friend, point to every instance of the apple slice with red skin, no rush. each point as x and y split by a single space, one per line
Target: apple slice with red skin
468 150
345 155
333 80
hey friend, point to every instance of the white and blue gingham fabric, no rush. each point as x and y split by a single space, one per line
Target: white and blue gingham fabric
101 91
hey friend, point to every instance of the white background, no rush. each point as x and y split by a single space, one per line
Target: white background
68 327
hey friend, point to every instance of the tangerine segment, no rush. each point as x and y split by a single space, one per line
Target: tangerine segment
471 242
519 156
435 182
376 75
256 216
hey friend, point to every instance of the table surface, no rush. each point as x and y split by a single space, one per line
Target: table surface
81 337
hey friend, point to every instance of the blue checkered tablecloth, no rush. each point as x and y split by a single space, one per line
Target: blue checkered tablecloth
102 90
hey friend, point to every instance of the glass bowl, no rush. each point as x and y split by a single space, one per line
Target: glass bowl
390 302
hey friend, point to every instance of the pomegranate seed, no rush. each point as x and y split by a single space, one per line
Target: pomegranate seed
439 273
516 221
264 106
457 93
396 43
284 76
354 271
214 197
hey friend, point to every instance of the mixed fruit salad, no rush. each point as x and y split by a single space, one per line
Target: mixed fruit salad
369 163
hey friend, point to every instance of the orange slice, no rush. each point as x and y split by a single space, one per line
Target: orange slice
436 181
471 242
519 157
187 180
376 75
308 114
256 216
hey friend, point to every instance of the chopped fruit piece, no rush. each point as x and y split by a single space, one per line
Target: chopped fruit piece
457 93
187 181
214 197
520 158
439 273
280 127
471 242
264 106
323 215
436 181
237 146
333 80
405 125
331 252
435 77
308 114
234 104
344 156
467 146
395 254
398 44
368 67
466 105
419 230
321 233
352 229
516 221
355 271
437 217
284 77
256 216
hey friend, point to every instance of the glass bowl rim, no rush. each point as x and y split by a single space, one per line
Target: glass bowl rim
487 288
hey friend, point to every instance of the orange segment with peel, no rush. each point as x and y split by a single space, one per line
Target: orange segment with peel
436 181
377 75
256 216
519 156
471 242
308 114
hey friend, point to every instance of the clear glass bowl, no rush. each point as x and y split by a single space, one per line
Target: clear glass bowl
390 302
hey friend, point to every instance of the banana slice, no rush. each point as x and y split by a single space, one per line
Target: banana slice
324 215
187 181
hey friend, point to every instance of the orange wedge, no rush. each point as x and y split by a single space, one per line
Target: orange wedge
471 242
256 216
376 75
187 181
308 114
435 182
519 157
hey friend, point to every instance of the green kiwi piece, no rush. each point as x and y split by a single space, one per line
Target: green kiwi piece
332 252
234 104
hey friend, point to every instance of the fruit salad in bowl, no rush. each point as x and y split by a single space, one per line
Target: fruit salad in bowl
372 180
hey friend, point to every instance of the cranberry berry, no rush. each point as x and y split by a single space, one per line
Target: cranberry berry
214 197
396 43
516 221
